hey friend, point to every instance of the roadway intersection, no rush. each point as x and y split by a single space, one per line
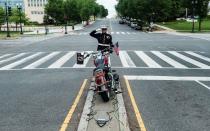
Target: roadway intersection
168 74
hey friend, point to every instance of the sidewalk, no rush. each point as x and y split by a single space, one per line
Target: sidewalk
203 36
32 37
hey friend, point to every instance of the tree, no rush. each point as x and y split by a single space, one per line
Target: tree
202 11
2 17
55 10
71 11
74 11
103 12
96 11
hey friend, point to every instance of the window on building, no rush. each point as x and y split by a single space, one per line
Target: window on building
29 3
32 2
38 3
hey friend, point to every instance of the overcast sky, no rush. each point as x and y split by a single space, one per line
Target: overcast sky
110 5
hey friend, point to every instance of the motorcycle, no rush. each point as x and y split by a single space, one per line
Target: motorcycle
106 79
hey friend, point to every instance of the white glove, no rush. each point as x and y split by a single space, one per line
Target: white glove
99 29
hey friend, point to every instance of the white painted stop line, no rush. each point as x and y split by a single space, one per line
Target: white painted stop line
167 78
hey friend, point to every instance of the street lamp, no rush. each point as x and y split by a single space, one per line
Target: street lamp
194 2
19 7
65 18
7 19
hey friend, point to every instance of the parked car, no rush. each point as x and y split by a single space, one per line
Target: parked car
138 27
128 22
133 24
121 21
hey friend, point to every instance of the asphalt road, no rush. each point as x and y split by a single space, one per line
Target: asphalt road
34 96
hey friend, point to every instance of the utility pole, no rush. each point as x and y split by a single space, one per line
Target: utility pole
186 15
7 19
19 7
66 23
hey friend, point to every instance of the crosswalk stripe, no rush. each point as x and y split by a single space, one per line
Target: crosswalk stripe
19 62
12 58
84 64
168 60
123 33
3 56
117 32
192 61
147 60
126 60
41 61
62 60
198 56
128 33
112 32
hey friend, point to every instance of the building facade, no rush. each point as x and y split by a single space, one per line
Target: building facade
12 3
34 10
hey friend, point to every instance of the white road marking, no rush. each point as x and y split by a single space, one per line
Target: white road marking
117 32
41 61
62 60
151 63
204 85
192 61
123 33
167 78
197 55
12 58
112 32
3 56
168 60
114 67
84 64
126 60
19 62
128 33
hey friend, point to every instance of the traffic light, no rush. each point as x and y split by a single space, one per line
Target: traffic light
9 11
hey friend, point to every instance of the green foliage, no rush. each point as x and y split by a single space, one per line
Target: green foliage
73 11
161 10
55 9
16 16
2 15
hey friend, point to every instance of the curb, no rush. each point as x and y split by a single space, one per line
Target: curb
83 124
123 119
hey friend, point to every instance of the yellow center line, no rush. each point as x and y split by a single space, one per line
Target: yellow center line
73 107
136 110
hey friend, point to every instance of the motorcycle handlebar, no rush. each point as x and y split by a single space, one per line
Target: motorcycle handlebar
104 52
